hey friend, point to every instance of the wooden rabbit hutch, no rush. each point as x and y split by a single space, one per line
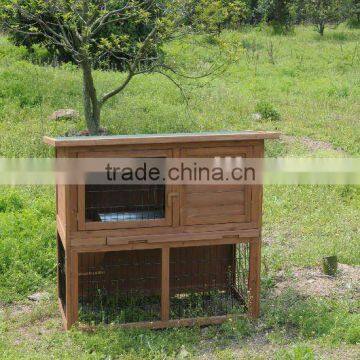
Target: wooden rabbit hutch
159 255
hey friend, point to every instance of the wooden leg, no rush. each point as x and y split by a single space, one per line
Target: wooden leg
72 279
165 291
254 277
75 285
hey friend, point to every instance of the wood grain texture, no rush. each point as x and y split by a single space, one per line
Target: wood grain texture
196 215
158 138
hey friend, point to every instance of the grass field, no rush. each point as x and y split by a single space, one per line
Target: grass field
312 83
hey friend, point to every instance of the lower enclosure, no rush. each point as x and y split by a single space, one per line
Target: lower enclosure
126 286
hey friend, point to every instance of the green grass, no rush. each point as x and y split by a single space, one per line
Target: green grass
308 86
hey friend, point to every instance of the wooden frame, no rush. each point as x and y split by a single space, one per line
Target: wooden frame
230 218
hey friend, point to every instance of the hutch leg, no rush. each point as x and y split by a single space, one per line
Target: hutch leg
254 277
165 288
71 289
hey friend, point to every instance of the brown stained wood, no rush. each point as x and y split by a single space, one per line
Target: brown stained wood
61 231
232 205
149 153
198 189
60 203
74 285
68 286
165 292
221 199
180 237
158 139
217 151
159 245
254 278
257 190
162 230
215 216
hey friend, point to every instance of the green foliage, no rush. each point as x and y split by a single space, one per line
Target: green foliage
353 9
267 111
214 16
30 212
323 12
278 13
112 45
313 318
298 352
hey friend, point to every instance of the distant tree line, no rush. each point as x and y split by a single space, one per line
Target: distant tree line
202 16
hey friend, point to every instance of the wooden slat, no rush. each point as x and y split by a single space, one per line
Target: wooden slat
200 200
189 229
254 278
231 210
165 292
159 245
218 219
74 285
158 138
190 189
217 151
151 239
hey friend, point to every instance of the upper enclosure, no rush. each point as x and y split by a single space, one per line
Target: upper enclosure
158 138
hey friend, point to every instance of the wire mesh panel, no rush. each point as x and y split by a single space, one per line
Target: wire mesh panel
114 203
120 287
61 274
208 280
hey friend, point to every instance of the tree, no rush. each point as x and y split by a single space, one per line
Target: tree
354 10
215 15
278 13
74 26
322 12
129 28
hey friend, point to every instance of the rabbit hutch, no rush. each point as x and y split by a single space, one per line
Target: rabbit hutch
159 255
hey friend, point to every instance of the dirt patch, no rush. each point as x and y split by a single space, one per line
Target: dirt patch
312 282
16 309
312 145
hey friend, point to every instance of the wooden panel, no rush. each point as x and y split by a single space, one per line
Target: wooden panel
215 204
166 231
61 210
151 239
195 189
159 245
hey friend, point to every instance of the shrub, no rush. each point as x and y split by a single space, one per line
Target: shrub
277 13
267 111
10 202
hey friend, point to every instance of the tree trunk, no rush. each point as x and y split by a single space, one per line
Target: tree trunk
91 104
321 29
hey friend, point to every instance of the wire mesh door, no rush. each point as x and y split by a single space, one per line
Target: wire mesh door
120 286
208 281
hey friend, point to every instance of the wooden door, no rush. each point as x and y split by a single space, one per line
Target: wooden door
102 207
215 204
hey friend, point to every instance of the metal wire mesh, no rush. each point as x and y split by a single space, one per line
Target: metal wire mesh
120 287
125 286
208 280
113 203
61 274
